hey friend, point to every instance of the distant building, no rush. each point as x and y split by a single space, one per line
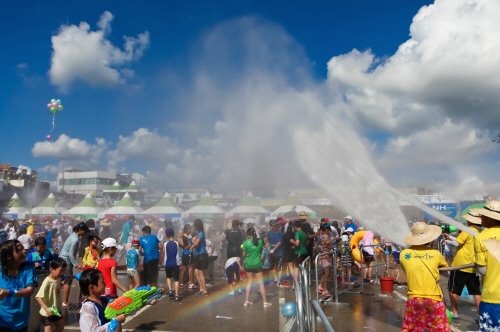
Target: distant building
75 181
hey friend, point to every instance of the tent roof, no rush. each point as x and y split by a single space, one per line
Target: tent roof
127 201
132 187
206 205
207 200
292 200
248 200
50 201
87 201
42 210
248 205
164 206
15 202
114 188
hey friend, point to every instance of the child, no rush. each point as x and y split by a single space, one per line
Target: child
150 246
107 265
346 259
232 268
41 256
92 313
91 254
325 260
49 296
266 264
132 258
172 262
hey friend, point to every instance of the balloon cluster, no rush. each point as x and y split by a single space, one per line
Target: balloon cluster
55 106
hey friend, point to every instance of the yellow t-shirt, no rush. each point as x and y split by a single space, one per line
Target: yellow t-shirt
50 293
465 251
491 281
29 230
88 257
422 281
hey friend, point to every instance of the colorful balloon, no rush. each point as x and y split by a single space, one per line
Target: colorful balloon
53 100
60 108
53 110
56 105
49 105
59 101
49 137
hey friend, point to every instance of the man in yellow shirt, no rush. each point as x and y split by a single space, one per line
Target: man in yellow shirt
465 255
425 307
489 308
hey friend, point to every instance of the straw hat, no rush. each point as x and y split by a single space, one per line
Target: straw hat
303 215
473 216
105 222
491 209
421 233
493 246
78 219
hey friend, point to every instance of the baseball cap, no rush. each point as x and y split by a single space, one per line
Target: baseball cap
109 243
273 222
135 242
169 232
348 217
350 229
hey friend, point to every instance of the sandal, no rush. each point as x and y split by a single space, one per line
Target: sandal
321 291
267 304
177 299
247 303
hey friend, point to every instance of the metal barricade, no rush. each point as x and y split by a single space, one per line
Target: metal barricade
321 314
303 298
374 246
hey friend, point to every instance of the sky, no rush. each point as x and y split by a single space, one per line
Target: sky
199 93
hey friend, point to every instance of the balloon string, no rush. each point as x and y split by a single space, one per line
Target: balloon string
51 130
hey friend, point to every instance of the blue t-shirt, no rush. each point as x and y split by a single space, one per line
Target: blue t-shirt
132 259
15 311
274 238
352 225
127 227
149 244
171 253
48 238
44 259
201 247
266 264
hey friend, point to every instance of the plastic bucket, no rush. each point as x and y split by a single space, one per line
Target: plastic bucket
387 285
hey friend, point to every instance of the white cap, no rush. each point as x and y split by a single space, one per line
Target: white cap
350 229
110 242
345 238
348 217
56 221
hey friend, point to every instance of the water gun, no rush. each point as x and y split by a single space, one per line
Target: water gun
132 300
113 324
77 277
54 311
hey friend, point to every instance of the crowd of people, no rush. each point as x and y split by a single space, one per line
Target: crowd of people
263 256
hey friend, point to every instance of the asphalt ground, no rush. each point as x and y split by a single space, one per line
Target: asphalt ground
370 311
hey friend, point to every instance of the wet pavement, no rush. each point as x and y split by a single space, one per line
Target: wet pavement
370 311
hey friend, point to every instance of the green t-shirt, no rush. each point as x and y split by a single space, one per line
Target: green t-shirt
301 249
252 258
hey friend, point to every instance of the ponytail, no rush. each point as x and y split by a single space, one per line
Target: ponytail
255 240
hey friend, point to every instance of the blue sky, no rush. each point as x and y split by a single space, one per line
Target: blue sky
185 98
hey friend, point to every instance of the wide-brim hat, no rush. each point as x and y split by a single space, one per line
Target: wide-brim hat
105 222
303 215
78 219
421 233
493 246
491 209
473 216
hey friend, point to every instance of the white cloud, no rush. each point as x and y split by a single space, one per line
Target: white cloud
144 144
82 54
67 148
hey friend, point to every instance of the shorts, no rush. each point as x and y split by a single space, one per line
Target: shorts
448 254
187 259
299 258
172 272
47 320
459 279
276 262
68 272
288 258
201 261
422 313
132 273
151 272
232 271
253 270
368 257
395 254
489 316
326 261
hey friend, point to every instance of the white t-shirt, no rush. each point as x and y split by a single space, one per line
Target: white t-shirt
209 248
26 240
231 261
12 233
161 234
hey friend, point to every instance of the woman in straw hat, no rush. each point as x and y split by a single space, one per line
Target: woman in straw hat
489 308
465 255
425 307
